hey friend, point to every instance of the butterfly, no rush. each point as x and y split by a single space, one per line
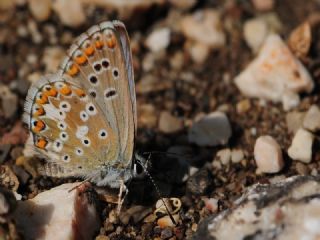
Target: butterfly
83 119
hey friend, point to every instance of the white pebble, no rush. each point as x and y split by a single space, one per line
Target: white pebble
158 40
236 155
268 155
290 100
204 27
311 120
70 12
40 9
224 156
301 146
255 32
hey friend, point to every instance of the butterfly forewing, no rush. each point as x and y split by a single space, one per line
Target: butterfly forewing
83 118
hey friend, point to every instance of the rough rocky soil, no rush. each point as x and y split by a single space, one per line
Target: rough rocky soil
173 89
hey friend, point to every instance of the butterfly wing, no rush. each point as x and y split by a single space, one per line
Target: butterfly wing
83 119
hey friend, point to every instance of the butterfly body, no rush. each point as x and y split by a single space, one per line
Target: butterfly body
83 118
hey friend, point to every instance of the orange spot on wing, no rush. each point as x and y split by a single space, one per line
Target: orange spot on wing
80 92
81 59
73 70
43 99
89 51
51 93
65 90
39 112
111 42
41 143
39 126
99 44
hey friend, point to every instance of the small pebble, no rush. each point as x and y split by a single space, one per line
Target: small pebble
255 32
198 183
301 168
166 221
301 146
70 12
40 9
204 27
236 155
158 40
169 123
199 52
268 155
224 156
290 100
263 5
243 106
211 130
311 120
211 204
294 121
166 233
9 101
300 40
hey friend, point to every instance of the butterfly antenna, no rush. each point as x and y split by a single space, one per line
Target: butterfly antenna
169 153
157 189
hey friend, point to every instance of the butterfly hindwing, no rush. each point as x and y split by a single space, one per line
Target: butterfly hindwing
83 118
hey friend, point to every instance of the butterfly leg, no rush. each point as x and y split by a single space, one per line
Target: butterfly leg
121 199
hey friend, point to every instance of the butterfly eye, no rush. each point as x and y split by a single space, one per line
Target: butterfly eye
79 151
57 145
84 116
102 134
91 109
65 106
62 125
64 136
66 158
86 141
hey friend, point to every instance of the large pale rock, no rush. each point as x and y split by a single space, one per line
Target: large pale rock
286 210
274 72
59 214
268 155
204 27
301 146
210 130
